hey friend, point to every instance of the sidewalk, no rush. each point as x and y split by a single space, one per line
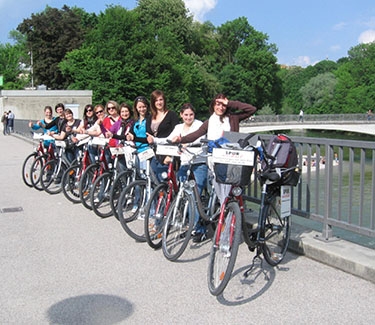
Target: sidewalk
341 254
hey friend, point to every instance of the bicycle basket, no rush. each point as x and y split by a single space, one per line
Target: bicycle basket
233 166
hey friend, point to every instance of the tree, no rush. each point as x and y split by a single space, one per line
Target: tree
318 93
249 70
15 74
49 36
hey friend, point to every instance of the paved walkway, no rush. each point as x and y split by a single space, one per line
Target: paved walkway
60 264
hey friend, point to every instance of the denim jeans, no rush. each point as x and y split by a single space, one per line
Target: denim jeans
200 175
158 168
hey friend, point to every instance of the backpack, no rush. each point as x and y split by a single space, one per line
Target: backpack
283 149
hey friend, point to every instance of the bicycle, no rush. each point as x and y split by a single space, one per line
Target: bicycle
39 151
270 236
102 191
92 172
72 176
134 197
52 171
180 218
161 198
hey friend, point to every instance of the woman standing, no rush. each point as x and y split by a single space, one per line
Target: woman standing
68 133
160 124
189 125
121 128
138 131
226 115
48 118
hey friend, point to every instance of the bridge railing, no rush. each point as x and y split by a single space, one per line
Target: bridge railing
308 118
337 186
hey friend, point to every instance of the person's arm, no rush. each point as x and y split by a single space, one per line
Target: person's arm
246 110
196 134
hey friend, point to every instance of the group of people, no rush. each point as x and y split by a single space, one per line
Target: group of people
8 122
147 123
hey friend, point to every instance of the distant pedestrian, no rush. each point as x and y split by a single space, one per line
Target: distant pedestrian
369 115
4 120
10 122
300 118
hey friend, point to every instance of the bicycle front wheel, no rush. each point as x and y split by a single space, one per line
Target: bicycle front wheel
36 171
26 168
122 180
85 185
131 209
224 249
70 183
276 232
155 214
51 177
100 195
178 227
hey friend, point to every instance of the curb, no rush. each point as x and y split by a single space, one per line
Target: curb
341 254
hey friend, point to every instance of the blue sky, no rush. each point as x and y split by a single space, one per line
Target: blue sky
305 32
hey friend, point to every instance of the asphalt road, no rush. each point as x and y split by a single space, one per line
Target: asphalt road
61 264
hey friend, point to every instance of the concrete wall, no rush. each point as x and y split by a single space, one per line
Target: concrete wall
29 104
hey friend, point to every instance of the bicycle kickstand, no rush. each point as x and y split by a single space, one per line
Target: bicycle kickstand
256 257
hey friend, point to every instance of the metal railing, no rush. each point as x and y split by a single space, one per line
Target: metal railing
309 118
337 185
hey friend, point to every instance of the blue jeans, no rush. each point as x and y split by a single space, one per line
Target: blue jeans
158 168
200 175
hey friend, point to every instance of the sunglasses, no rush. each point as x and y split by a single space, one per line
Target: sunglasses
89 110
112 107
99 112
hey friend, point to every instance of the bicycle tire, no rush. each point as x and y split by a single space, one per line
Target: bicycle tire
36 171
70 183
178 227
276 231
100 195
26 169
155 213
223 255
132 220
121 181
52 183
85 184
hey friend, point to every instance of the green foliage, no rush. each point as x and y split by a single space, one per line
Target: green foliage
49 36
121 54
15 74
318 93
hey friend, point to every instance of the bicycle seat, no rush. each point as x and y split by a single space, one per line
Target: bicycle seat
272 176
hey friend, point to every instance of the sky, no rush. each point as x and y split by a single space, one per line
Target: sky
305 32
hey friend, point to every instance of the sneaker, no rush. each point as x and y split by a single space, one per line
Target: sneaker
200 237
134 209
96 200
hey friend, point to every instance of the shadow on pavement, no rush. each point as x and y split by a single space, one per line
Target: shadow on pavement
90 309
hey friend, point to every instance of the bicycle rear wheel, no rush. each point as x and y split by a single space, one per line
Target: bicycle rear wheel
100 195
88 178
224 249
178 227
26 168
276 232
70 183
155 214
36 171
131 207
51 177
122 180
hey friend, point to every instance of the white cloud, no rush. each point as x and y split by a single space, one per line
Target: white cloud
368 36
302 61
340 26
200 7
335 48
